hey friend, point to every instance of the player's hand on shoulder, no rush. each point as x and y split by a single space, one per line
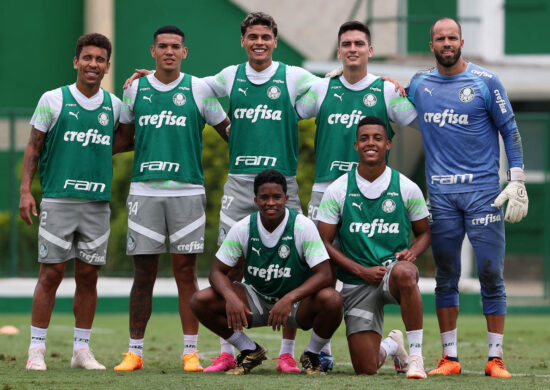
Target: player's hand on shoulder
279 313
137 74
374 275
406 255
236 312
398 87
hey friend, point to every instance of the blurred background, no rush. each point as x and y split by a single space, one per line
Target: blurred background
508 37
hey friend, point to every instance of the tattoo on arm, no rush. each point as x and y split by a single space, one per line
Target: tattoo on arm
32 154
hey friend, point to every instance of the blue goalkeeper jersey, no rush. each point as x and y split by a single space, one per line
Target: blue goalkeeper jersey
460 118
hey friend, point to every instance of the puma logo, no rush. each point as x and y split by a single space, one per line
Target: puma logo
243 91
73 114
359 206
339 96
148 98
429 90
257 250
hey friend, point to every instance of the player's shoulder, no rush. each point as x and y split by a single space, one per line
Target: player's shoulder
481 74
423 74
304 223
56 93
407 183
114 98
339 184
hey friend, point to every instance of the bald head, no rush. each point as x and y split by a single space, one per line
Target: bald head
446 21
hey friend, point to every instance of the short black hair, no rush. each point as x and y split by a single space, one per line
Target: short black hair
169 30
354 25
93 39
269 176
371 120
261 18
445 18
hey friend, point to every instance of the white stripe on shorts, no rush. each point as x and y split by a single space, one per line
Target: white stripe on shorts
95 243
188 229
54 239
225 219
146 232
254 296
360 313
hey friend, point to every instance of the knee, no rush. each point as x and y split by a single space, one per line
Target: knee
405 275
86 276
366 368
50 276
201 300
330 300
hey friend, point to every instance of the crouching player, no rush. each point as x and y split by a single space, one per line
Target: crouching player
287 279
373 209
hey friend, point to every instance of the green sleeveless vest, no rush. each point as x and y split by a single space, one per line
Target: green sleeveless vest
274 272
168 137
264 125
340 112
372 230
77 160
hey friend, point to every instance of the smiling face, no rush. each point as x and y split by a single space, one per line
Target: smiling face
354 49
271 200
446 43
259 41
168 52
372 144
91 65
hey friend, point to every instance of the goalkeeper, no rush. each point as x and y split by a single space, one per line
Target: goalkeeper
462 108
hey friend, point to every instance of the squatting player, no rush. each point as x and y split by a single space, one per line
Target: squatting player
166 112
264 134
462 108
373 209
72 136
287 279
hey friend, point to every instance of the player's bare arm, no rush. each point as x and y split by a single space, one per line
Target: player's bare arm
422 239
371 275
124 138
223 129
27 203
321 278
235 309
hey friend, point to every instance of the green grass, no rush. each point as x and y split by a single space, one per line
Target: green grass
526 348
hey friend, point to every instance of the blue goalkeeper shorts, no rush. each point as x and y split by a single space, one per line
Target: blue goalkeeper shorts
453 215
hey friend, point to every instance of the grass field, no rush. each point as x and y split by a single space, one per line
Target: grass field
526 348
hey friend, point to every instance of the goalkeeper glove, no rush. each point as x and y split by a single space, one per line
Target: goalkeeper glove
516 195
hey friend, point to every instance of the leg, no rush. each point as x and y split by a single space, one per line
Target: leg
404 287
363 349
49 278
85 297
141 295
209 308
185 273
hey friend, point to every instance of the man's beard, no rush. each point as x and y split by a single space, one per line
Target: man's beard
448 61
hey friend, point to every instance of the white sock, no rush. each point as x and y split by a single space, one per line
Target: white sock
190 343
448 340
327 349
495 344
136 347
241 341
81 339
38 337
414 337
316 343
389 346
287 346
226 347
